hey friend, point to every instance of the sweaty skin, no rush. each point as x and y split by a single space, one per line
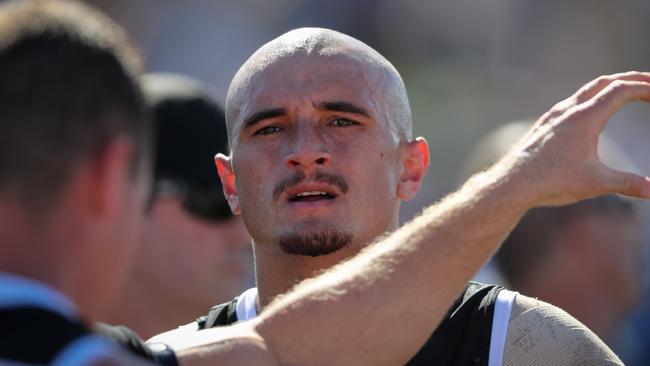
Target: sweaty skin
428 260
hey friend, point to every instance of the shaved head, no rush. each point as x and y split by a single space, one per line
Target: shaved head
308 45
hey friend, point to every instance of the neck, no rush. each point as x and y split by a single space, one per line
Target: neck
36 247
272 282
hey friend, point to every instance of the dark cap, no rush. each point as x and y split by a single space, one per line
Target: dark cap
190 128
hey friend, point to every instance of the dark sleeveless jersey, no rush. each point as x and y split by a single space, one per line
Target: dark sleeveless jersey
33 335
36 336
462 338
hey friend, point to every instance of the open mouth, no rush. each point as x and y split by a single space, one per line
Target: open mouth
311 196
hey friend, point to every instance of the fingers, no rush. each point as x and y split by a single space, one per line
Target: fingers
595 86
567 136
613 97
591 89
628 184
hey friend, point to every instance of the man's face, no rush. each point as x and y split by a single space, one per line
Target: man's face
317 162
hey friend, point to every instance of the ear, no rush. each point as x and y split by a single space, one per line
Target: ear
415 160
109 177
224 166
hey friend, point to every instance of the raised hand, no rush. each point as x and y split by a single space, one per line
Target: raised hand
557 163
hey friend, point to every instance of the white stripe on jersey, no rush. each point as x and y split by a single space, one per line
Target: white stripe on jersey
500 319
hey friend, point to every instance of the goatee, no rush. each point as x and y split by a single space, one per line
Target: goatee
314 244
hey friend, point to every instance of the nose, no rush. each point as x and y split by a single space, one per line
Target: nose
308 153
306 159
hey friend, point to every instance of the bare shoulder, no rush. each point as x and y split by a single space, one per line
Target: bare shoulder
542 334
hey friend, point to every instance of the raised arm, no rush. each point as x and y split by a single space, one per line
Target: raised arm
380 307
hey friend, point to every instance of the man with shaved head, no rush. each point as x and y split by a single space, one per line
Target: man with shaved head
321 156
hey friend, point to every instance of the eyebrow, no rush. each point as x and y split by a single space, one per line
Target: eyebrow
341 106
262 115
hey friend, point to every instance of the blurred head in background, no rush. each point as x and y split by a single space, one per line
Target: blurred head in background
586 258
74 151
195 253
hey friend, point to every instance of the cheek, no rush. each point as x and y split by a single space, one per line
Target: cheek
376 173
255 181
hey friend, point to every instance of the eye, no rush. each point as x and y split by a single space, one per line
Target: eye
268 130
342 122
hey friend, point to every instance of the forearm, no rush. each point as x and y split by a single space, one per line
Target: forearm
427 262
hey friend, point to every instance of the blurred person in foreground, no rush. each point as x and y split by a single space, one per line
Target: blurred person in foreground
587 258
194 251
74 181
321 156
74 155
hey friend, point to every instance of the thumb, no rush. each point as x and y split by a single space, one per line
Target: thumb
628 184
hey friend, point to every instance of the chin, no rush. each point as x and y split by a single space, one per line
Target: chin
314 243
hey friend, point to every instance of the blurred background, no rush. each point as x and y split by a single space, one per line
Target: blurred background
469 67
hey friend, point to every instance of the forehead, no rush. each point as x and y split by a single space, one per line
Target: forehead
303 80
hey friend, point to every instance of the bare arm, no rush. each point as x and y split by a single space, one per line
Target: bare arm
542 334
381 306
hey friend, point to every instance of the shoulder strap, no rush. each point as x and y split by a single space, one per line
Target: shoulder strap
463 336
220 315
34 335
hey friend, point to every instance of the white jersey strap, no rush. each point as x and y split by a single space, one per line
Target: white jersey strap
500 319
247 305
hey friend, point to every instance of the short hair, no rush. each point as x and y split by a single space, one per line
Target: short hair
68 88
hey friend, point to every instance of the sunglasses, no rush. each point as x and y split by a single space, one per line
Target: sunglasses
203 203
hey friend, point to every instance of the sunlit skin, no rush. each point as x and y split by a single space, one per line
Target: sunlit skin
309 114
309 139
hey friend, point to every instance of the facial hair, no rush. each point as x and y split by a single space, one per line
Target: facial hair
314 244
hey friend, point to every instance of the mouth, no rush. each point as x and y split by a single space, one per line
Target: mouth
311 196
